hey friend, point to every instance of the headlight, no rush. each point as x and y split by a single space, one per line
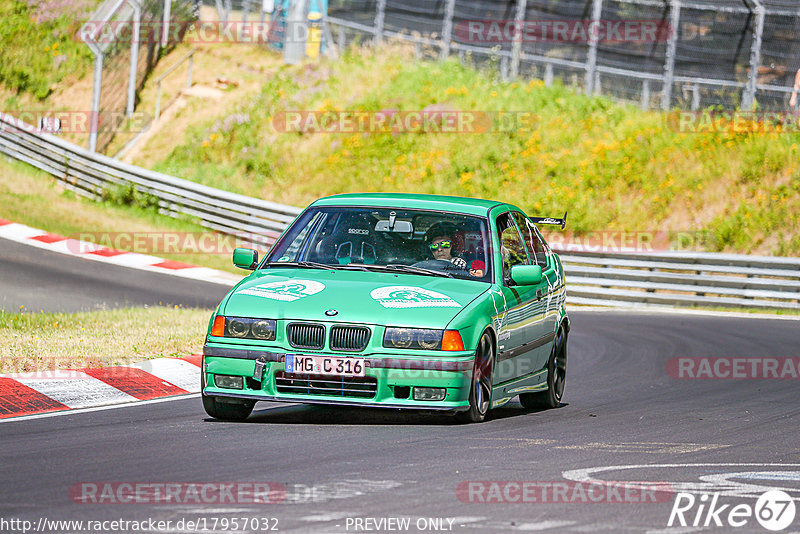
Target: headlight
236 327
246 328
422 339
263 329
413 338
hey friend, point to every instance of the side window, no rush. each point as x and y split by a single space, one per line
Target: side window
512 250
536 247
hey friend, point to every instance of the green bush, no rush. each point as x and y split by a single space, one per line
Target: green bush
36 55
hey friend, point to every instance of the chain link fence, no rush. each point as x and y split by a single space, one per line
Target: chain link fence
127 38
728 53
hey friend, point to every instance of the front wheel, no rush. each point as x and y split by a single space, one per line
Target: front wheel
556 377
233 410
480 394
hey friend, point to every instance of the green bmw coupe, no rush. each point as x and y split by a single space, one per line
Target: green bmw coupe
394 300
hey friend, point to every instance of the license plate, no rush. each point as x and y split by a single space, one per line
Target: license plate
324 365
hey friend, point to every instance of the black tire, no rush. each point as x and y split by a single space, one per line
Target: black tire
232 410
480 394
556 377
227 410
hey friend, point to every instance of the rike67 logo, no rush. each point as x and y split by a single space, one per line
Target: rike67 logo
774 510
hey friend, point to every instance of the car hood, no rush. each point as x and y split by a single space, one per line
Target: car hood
356 297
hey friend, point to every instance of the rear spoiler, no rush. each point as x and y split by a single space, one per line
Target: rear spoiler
550 220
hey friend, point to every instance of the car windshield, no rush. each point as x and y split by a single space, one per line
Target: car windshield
427 243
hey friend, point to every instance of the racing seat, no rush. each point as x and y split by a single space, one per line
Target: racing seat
351 244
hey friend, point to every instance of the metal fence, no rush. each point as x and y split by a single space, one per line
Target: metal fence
729 53
127 38
667 278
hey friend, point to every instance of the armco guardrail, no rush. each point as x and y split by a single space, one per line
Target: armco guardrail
90 174
666 278
683 279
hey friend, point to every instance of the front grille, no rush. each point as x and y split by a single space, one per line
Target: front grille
353 338
362 387
306 335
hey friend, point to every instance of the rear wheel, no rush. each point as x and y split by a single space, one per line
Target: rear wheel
480 395
556 377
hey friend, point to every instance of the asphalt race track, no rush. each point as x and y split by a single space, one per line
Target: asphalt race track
43 280
339 469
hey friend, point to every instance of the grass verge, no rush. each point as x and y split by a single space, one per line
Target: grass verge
50 341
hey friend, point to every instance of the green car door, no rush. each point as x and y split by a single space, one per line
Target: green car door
549 291
523 329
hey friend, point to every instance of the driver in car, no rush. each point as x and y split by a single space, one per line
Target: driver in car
440 241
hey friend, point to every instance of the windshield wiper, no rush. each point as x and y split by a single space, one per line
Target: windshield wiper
417 270
305 264
317 265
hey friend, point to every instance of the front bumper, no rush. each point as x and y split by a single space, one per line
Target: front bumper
393 376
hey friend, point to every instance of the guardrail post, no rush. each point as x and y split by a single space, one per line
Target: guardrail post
516 46
749 96
669 59
380 15
591 58
191 68
157 113
548 74
132 71
447 29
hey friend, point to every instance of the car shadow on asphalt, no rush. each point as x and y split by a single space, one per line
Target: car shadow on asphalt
307 414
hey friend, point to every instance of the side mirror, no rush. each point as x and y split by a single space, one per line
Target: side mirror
245 258
526 275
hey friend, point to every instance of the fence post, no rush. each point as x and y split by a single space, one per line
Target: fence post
447 29
97 83
591 58
516 47
669 59
165 26
380 14
749 96
245 11
132 72
294 50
